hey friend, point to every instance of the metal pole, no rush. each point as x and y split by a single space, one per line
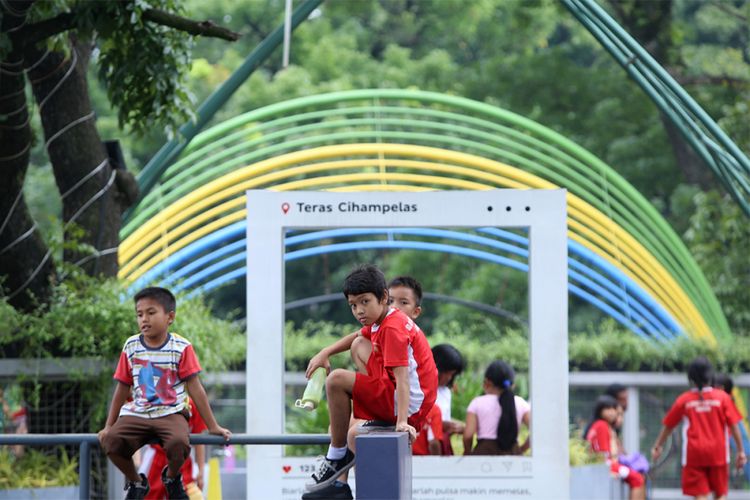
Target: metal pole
287 33
84 470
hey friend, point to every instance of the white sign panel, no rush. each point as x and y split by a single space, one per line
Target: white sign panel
545 473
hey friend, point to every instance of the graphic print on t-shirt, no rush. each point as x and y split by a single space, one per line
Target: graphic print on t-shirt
156 384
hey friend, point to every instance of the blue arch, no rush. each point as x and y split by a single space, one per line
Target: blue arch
619 296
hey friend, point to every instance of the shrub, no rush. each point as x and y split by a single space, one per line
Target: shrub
37 469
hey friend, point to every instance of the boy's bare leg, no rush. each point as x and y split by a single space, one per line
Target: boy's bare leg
360 350
351 442
638 493
339 387
127 467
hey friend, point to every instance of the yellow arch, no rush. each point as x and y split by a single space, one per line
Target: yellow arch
156 239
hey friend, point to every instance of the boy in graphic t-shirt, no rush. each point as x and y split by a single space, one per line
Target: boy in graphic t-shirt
156 372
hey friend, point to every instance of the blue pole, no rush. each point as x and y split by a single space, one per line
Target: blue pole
84 470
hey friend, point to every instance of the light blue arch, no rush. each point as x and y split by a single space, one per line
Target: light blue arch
637 310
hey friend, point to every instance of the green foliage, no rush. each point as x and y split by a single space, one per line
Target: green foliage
608 349
719 239
579 452
92 317
144 65
301 421
37 469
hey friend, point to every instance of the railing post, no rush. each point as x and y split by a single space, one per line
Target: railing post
84 470
383 466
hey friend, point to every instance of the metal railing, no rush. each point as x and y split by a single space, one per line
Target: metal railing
86 441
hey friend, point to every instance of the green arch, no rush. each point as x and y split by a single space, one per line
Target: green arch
427 118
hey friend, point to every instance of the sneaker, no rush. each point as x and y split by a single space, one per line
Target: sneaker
173 485
375 426
138 490
335 491
329 470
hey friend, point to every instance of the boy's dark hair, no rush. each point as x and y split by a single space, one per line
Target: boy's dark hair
501 375
615 389
700 372
161 295
448 358
724 382
408 282
365 278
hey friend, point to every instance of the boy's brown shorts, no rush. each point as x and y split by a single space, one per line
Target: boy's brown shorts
129 434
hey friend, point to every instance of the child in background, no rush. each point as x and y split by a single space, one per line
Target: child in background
707 414
154 459
600 433
725 383
430 437
405 294
14 416
450 364
496 416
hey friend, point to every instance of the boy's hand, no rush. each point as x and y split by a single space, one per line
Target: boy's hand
453 427
103 433
405 427
656 453
741 460
320 359
220 431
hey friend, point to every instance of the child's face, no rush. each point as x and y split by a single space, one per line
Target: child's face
609 414
153 320
404 299
445 377
367 308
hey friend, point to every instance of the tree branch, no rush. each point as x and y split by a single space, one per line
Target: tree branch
198 28
36 32
728 9
706 79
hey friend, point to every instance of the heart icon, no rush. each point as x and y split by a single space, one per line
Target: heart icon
286 468
285 207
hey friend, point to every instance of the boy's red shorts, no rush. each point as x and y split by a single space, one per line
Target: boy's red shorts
704 480
373 398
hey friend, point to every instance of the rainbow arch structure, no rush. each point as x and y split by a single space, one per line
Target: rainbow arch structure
623 256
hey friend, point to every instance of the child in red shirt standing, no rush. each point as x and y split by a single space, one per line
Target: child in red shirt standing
706 414
400 385
430 438
154 459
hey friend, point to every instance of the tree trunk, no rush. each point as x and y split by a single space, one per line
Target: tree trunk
88 183
649 23
26 267
692 166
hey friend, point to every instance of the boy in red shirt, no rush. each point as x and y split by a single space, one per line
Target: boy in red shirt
400 385
706 414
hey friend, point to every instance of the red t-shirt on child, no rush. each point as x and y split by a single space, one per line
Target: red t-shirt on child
706 417
432 429
398 341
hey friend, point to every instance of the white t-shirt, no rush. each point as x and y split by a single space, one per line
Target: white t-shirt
444 395
487 409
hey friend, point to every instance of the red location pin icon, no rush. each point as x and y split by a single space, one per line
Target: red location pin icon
285 207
